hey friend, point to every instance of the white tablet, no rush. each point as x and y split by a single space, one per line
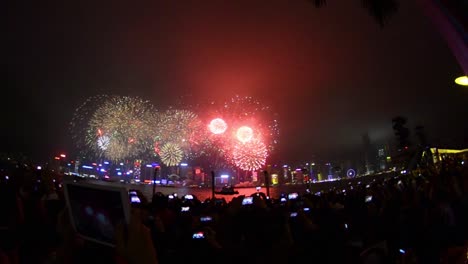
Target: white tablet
95 210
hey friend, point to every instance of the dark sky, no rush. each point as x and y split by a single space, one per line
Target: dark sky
332 74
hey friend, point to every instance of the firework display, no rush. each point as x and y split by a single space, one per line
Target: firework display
121 128
246 111
240 132
171 154
79 127
103 142
182 128
244 134
241 119
217 126
250 155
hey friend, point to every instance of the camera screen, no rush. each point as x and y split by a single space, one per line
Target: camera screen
198 235
135 199
206 218
258 188
292 196
294 214
185 209
368 199
247 200
188 197
283 200
96 212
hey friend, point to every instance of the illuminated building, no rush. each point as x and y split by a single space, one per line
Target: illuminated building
274 179
440 154
382 161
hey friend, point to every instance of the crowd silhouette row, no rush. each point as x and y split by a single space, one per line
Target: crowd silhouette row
415 218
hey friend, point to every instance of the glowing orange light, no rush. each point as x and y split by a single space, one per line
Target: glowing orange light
57 158
462 80
217 126
244 134
63 155
99 132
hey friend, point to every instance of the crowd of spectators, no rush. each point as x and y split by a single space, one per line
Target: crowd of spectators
414 218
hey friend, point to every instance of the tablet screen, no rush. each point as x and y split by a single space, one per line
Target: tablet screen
96 211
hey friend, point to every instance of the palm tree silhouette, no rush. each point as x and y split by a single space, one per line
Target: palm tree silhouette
380 10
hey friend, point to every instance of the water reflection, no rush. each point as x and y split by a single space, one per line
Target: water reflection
275 192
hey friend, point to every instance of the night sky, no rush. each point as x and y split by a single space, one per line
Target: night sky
332 74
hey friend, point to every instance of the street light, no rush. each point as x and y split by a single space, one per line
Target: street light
462 80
